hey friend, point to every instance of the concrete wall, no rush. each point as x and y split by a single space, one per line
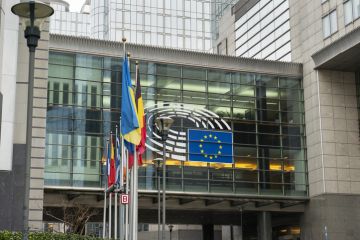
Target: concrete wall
332 127
15 102
8 77
12 192
330 104
226 34
341 223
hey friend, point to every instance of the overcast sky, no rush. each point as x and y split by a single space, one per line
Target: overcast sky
75 5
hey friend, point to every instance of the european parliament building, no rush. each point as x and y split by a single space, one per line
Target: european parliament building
264 110
294 169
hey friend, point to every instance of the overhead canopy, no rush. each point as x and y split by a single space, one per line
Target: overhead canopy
341 55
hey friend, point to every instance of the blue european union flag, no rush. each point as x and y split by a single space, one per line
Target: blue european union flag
210 146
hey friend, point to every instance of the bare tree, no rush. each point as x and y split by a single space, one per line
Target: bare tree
77 216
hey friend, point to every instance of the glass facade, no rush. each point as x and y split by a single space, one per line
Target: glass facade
264 112
263 32
69 23
183 24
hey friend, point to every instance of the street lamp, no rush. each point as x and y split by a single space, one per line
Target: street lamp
32 14
163 124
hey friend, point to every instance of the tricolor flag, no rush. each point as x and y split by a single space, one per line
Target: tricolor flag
140 148
129 121
104 165
111 165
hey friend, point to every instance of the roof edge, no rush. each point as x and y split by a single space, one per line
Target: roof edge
171 55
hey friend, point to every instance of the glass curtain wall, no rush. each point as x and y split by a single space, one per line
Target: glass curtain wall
265 113
184 24
263 32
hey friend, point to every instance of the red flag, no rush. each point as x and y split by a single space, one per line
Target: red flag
112 174
140 149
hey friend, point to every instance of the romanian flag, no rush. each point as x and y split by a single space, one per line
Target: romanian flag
129 121
140 148
111 167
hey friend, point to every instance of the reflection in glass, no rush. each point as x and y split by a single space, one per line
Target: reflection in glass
265 113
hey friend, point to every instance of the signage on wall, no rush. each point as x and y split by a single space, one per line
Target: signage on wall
124 198
180 139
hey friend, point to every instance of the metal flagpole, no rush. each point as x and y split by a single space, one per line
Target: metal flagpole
116 186
129 183
122 209
135 196
110 215
116 215
133 191
127 192
131 210
104 215
105 199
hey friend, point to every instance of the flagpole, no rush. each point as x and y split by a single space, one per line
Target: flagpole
116 214
104 214
128 177
135 196
134 188
127 224
105 199
123 208
110 190
116 186
110 214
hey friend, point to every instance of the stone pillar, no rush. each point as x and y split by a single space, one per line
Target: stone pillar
264 226
208 232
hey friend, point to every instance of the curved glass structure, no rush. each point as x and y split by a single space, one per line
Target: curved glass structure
265 114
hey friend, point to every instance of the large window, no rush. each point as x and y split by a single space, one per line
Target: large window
330 24
351 10
264 112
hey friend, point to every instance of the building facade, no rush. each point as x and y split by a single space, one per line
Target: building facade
323 36
181 24
326 50
263 109
296 168
69 23
256 29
